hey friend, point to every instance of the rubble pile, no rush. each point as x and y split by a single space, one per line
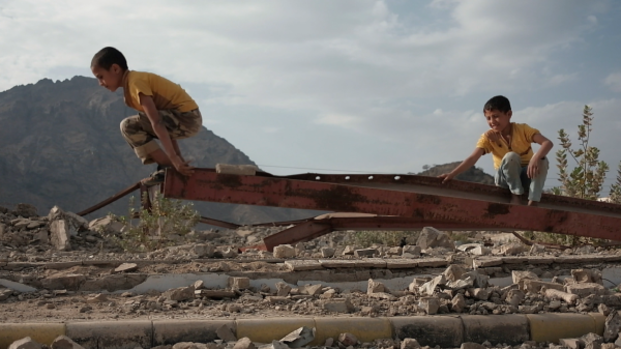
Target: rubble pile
78 271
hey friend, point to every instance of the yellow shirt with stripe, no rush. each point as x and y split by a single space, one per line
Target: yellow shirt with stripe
521 140
166 94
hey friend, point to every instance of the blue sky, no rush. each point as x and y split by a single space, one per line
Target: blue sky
349 85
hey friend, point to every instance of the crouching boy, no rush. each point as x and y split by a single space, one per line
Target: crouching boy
517 167
165 112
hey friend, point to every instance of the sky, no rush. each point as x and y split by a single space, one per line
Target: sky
348 86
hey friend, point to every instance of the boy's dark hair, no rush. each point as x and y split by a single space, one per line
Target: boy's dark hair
108 56
500 103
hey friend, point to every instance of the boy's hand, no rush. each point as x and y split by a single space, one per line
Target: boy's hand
534 167
447 177
183 167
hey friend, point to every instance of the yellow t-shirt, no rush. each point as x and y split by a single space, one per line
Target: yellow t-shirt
166 94
521 140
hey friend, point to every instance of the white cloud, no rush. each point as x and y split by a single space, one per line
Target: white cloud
404 79
614 81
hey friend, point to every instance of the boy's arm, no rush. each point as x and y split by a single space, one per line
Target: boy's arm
535 161
465 165
162 134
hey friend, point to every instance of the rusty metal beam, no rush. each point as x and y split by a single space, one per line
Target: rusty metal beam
205 185
312 229
111 199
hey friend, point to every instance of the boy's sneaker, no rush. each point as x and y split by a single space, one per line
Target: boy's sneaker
156 177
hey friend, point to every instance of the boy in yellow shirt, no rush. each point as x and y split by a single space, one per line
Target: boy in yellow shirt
165 112
510 144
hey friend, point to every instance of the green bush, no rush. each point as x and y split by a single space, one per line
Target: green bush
159 227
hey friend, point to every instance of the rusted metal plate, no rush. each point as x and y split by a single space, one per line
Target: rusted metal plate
206 185
454 188
312 229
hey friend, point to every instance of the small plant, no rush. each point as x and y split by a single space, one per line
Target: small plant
161 226
586 179
615 189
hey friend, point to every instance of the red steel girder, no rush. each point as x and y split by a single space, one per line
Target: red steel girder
306 231
206 185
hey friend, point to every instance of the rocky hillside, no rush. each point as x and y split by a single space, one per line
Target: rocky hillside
474 174
60 145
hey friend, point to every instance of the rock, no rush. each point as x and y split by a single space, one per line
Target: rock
583 276
454 272
239 283
536 249
64 342
567 297
348 339
429 287
99 298
198 285
228 253
342 306
244 343
226 333
25 343
603 309
458 303
519 275
432 237
126 268
367 252
512 249
71 282
584 290
612 326
410 343
429 304
106 225
481 293
244 233
284 251
374 287
60 235
570 343
348 251
282 289
182 293
515 297
534 286
80 223
592 339
277 345
554 305
311 290
395 251
327 252
297 338
474 249
26 210
471 345
411 251
203 250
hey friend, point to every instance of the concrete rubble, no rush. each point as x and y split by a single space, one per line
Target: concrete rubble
71 268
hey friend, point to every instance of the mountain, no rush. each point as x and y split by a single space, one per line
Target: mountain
60 144
473 174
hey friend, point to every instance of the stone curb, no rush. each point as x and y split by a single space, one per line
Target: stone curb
443 330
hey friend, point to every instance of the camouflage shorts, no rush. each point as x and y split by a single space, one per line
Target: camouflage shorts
138 131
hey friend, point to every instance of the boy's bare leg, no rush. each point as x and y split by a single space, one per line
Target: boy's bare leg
516 199
160 157
533 203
